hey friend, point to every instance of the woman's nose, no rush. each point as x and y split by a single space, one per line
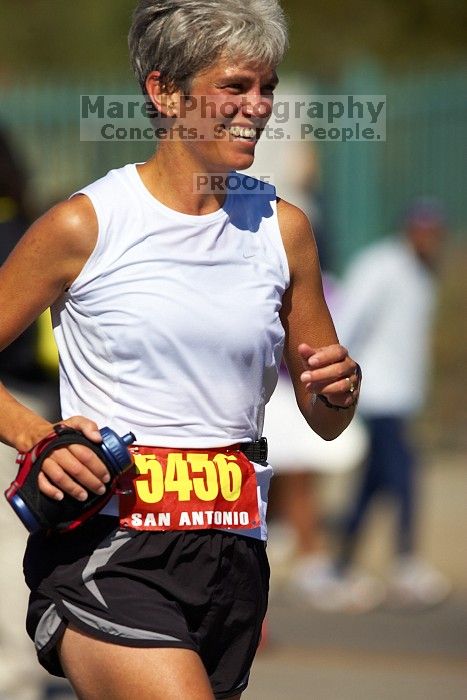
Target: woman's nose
257 106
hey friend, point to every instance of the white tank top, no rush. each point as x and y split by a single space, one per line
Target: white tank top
172 328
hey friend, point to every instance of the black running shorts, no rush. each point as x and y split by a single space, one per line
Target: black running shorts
204 590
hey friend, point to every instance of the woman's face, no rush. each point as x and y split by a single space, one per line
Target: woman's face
229 106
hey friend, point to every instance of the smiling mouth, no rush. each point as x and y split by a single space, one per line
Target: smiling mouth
242 133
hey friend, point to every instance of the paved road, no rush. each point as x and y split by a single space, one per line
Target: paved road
382 655
378 656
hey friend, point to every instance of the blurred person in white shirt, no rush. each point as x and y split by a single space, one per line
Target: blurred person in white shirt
386 319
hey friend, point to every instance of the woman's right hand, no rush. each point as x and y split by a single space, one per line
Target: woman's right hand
75 469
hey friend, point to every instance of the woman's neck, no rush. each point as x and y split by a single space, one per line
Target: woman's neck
180 182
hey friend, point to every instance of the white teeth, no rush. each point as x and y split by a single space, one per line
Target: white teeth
244 132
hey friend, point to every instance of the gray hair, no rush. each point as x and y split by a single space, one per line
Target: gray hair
179 38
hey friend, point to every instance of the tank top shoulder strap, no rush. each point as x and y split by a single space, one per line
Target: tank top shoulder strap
110 197
256 210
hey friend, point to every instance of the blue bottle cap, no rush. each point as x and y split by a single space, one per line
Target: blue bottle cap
115 448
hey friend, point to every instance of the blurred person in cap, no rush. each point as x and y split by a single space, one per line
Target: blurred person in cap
386 319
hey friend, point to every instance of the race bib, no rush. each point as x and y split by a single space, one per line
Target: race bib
174 489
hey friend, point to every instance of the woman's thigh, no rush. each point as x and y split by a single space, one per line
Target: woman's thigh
99 670
203 592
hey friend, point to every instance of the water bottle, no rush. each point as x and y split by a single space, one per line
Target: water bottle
40 512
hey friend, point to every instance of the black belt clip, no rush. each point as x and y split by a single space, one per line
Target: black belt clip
256 451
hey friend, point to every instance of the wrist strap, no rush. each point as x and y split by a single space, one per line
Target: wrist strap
324 399
334 407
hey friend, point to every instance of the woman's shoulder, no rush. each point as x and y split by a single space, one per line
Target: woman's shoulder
298 239
88 209
69 228
290 214
70 219
294 224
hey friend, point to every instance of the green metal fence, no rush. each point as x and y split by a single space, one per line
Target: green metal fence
366 185
44 124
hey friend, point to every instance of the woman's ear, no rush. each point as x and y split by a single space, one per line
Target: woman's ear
166 102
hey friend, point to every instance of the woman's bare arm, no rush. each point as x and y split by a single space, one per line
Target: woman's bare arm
317 363
44 263
42 266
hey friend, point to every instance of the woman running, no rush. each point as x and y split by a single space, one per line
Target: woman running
173 301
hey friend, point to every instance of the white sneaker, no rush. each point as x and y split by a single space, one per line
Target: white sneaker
416 584
315 581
